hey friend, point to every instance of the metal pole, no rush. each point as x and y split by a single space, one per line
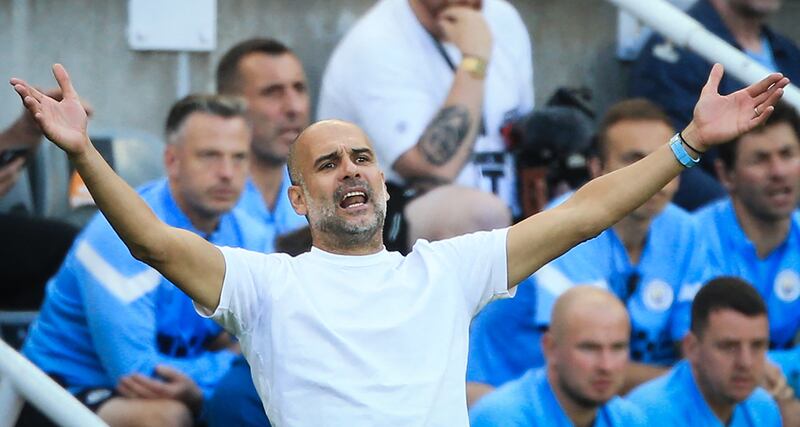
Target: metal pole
686 32
21 377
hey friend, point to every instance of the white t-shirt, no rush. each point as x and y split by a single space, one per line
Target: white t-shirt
388 76
374 340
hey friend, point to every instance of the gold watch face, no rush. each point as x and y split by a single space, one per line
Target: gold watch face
476 67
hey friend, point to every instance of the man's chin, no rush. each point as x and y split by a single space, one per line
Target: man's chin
220 208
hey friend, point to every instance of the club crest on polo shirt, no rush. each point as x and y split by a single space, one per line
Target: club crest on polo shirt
787 286
658 295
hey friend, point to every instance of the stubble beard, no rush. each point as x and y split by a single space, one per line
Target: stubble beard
577 397
347 234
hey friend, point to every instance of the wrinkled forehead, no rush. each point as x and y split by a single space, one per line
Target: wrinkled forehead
324 139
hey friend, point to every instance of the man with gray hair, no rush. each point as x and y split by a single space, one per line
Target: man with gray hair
119 335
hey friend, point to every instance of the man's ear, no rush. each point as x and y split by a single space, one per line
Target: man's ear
548 346
724 175
595 166
385 190
298 200
171 160
689 346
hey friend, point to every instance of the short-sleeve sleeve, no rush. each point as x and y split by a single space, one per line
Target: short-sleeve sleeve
246 287
478 264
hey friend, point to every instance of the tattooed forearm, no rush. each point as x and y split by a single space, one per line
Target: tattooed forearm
445 134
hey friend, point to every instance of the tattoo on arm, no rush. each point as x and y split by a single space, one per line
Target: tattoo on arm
445 134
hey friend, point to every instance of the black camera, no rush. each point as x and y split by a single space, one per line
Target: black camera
551 147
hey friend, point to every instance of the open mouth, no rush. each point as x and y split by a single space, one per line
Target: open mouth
353 199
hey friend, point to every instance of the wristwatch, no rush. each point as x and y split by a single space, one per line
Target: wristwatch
475 66
676 144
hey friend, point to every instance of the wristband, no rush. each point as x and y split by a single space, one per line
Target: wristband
676 144
683 140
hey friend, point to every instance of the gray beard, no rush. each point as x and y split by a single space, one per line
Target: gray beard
348 235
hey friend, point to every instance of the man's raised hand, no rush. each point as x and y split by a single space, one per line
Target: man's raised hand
718 119
63 122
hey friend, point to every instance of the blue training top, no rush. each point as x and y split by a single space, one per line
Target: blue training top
776 277
667 263
107 315
280 220
674 400
530 401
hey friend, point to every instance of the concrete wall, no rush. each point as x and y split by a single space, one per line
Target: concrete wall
574 42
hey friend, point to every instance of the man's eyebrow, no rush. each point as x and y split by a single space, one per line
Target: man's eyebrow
330 156
361 151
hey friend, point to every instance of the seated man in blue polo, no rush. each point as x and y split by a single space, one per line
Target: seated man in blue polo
118 335
644 259
271 78
587 351
717 384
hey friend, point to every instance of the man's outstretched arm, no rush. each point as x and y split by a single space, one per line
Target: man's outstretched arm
605 200
194 265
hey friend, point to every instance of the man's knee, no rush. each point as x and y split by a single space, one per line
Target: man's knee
123 412
451 210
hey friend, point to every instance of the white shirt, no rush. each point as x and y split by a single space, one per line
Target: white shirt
388 77
374 340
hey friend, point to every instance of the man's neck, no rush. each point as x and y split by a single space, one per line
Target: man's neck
746 30
765 235
203 223
722 409
633 234
334 245
581 416
268 178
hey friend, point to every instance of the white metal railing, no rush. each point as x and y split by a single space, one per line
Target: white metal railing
20 379
686 32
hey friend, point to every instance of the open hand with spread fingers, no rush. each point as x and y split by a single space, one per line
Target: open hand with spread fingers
63 122
718 119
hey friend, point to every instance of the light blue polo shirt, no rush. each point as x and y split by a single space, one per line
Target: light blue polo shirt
668 262
673 399
776 277
280 220
530 401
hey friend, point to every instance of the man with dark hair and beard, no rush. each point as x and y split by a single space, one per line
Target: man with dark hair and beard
717 384
586 349
350 334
